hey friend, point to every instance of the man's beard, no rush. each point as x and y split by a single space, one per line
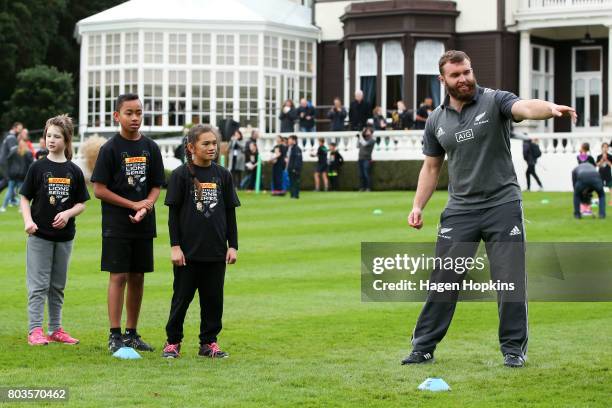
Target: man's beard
463 96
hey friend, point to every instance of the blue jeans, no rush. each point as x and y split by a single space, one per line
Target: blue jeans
12 192
365 181
590 185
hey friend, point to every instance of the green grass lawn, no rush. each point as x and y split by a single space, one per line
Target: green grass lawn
295 326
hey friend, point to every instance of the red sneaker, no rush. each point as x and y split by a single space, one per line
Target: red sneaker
172 350
60 336
37 337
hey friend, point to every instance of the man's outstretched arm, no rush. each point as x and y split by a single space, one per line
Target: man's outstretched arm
537 109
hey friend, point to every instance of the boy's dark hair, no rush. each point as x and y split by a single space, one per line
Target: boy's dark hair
333 144
124 98
586 147
293 137
452 56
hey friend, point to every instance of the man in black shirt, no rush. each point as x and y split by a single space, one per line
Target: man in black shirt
423 113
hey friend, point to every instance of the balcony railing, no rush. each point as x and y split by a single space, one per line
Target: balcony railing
541 5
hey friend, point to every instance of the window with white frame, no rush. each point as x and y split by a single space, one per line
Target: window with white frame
306 56
94 50
177 97
153 97
306 88
131 48
426 71
177 45
247 97
113 49
225 95
271 85
249 49
130 81
288 54
367 64
200 97
393 74
111 92
542 79
93 99
271 51
225 49
154 48
200 49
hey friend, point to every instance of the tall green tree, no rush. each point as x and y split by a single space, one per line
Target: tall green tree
40 93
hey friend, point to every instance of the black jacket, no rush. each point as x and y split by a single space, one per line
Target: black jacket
288 120
337 119
294 154
307 111
359 114
18 165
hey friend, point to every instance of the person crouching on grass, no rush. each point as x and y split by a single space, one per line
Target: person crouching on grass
127 178
202 205
56 187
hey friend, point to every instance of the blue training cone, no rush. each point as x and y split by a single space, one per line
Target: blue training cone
127 353
434 384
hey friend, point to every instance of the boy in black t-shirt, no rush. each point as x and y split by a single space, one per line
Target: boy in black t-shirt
202 205
335 162
127 178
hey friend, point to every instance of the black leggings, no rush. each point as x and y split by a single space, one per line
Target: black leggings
207 278
531 172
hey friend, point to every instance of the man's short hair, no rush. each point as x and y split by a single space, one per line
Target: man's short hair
124 98
452 56
293 137
16 124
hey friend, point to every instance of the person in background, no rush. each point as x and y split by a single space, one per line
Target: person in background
402 119
288 116
337 115
25 134
335 162
531 153
321 169
366 145
360 111
379 120
248 182
604 163
279 152
294 166
253 139
8 142
42 151
423 113
236 157
584 154
17 164
585 179
306 115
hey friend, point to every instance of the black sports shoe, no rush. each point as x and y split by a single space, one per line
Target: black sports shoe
212 350
134 341
115 342
514 361
419 357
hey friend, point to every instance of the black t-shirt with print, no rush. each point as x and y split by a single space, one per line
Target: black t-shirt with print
54 187
202 219
130 169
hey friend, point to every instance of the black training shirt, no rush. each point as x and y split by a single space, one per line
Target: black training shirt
54 187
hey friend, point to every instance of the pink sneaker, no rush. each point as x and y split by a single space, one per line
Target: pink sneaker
37 337
60 336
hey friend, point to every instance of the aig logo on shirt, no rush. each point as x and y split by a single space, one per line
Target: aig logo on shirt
464 135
